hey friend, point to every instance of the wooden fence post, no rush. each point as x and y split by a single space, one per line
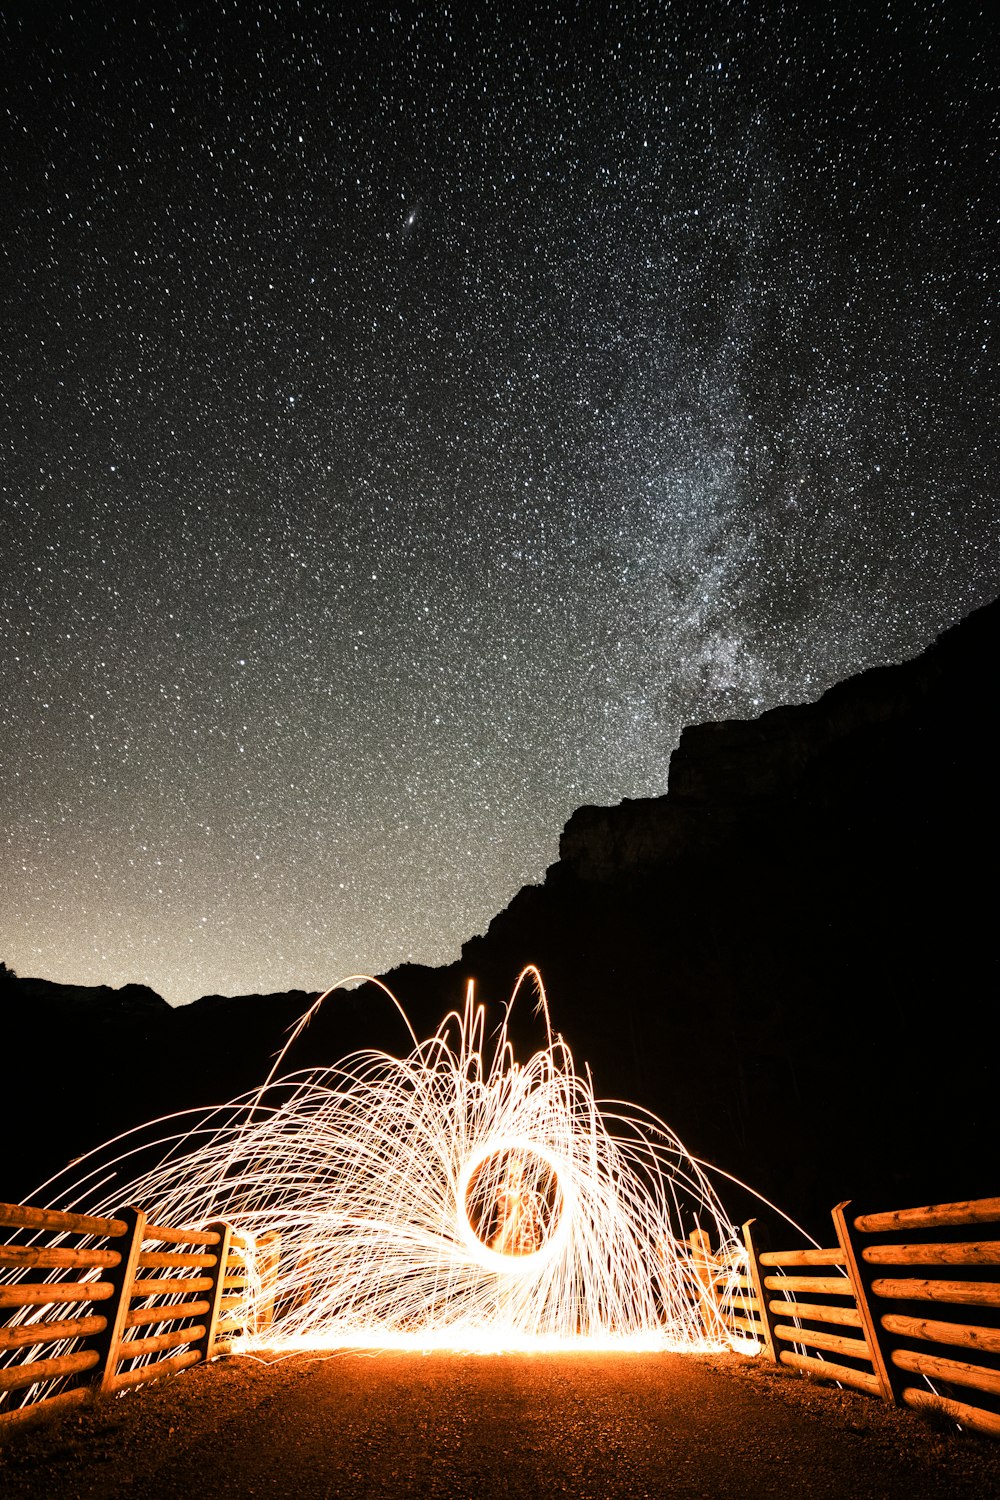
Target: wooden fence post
300 1291
206 1344
268 1258
861 1290
705 1270
767 1318
108 1343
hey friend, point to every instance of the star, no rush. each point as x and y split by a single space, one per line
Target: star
683 410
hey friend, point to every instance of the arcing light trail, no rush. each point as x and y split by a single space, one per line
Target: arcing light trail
447 1200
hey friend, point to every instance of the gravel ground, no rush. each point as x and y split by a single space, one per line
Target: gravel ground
601 1426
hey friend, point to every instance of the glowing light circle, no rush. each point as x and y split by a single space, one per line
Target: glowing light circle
561 1216
450 1197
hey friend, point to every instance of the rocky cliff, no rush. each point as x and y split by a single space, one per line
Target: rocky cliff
790 957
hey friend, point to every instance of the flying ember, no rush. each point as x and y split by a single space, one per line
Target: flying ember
453 1198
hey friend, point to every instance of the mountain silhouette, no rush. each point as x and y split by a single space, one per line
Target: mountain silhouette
790 957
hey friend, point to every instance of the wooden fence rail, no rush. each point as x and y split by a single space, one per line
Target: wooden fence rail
128 1303
91 1305
880 1293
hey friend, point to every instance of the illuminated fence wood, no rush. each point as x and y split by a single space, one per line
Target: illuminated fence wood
807 1316
707 1278
921 1341
726 1293
91 1305
268 1264
249 1288
157 1279
35 1380
891 1265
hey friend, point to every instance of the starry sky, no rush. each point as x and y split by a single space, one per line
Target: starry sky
411 417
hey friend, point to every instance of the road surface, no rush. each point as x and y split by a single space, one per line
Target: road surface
385 1425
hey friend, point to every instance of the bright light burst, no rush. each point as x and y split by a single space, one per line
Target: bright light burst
450 1198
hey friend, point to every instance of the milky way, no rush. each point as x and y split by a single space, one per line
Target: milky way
411 420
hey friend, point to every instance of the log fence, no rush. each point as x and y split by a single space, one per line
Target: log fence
127 1303
857 1313
92 1305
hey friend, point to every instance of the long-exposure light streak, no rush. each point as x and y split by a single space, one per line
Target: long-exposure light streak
450 1198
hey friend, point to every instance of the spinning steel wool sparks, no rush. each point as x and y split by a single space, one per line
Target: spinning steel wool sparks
450 1198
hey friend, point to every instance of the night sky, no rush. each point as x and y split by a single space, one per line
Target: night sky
411 418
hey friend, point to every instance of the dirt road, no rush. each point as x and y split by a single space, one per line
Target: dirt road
599 1426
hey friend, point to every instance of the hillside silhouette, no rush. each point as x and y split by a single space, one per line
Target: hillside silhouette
790 957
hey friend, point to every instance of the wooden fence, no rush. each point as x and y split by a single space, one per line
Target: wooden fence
96 1305
857 1313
